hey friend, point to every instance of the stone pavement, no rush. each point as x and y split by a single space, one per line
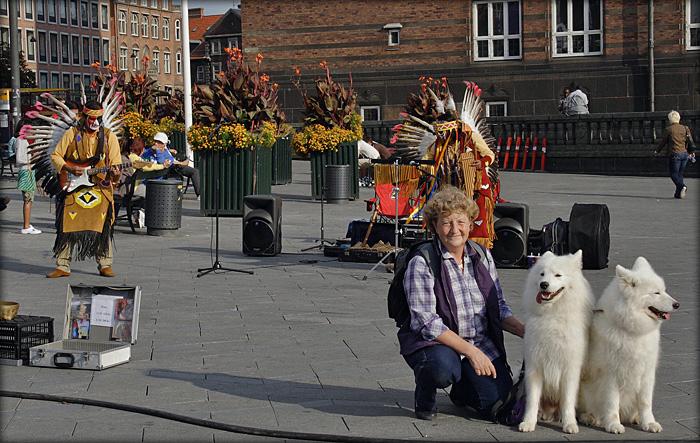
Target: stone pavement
304 344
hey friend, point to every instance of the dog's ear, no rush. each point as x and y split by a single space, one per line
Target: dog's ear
578 257
548 254
626 276
641 263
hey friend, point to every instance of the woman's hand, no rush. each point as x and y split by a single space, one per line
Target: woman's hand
481 363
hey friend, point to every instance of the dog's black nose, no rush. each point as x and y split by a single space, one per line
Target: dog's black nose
676 305
544 285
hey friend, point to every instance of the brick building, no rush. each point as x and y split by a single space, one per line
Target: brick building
150 28
209 35
522 53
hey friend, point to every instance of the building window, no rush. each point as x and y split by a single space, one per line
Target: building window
122 22
63 12
232 43
84 19
29 9
66 81
53 47
178 63
40 11
86 51
144 25
134 24
30 46
144 2
496 30
201 72
577 27
74 12
42 46
65 49
87 80
177 30
55 80
75 45
5 35
166 62
496 109
135 60
94 15
692 17
4 8
154 27
105 17
154 3
50 10
123 54
44 80
166 4
166 28
216 67
394 33
215 47
76 82
156 60
105 51
370 113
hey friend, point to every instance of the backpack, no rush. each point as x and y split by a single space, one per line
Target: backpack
397 305
510 410
555 237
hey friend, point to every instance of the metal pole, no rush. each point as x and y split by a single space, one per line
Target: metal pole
651 54
15 47
186 77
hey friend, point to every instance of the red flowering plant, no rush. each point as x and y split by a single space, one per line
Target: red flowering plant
241 100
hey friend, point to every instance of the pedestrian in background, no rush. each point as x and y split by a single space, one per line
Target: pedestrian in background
677 143
26 182
562 100
576 103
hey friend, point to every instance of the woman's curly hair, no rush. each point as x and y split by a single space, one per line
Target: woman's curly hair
447 201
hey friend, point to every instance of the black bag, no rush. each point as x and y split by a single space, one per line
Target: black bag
555 237
510 410
589 230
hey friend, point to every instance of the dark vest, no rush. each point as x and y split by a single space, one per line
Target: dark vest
410 342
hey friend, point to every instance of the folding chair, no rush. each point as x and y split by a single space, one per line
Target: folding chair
7 160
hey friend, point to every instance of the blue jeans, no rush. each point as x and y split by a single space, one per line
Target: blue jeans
676 166
437 367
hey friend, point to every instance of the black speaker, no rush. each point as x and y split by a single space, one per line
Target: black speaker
262 225
512 226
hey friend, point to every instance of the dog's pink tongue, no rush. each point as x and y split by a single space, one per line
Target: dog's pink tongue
539 298
665 315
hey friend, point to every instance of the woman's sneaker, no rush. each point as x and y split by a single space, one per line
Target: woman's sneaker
30 230
683 191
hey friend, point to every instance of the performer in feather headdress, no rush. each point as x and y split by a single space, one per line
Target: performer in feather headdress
460 145
85 216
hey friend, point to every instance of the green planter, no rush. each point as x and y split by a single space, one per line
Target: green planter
235 181
178 141
282 161
345 155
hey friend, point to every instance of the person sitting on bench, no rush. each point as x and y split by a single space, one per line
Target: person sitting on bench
159 153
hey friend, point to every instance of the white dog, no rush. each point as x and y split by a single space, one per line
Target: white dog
558 304
618 380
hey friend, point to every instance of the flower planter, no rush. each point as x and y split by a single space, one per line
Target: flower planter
235 178
282 161
345 155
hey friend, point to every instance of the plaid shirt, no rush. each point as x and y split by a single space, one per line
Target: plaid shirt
471 307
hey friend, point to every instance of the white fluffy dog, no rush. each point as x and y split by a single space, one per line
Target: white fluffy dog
558 304
618 380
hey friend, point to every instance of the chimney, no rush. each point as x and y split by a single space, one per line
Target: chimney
196 12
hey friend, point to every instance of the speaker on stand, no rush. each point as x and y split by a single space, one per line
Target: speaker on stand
512 226
262 225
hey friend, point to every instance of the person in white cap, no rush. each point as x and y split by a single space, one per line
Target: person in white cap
159 153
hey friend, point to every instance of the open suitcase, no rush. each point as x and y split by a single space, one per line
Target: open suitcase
100 325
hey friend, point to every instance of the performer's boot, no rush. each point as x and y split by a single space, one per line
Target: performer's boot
107 271
56 273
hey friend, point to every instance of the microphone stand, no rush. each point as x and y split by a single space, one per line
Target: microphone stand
321 241
217 264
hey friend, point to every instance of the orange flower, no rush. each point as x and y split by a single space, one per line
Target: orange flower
264 78
259 58
297 71
95 65
323 65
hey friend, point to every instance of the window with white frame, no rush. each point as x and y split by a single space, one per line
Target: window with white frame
166 61
31 49
5 35
123 55
43 79
84 17
154 27
96 50
232 43
692 25
122 22
74 12
63 12
50 11
144 25
53 47
55 80
134 24
497 30
66 81
87 80
135 59
65 49
177 30
496 109
154 3
370 113
106 56
178 63
29 9
75 45
156 60
144 2
104 11
76 82
201 73
166 4
40 10
578 27
393 33
216 67
215 47
86 50
166 28
42 46
94 15
4 8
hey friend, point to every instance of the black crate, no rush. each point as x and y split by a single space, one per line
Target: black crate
23 332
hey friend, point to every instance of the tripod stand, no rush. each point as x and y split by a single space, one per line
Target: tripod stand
217 264
321 241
